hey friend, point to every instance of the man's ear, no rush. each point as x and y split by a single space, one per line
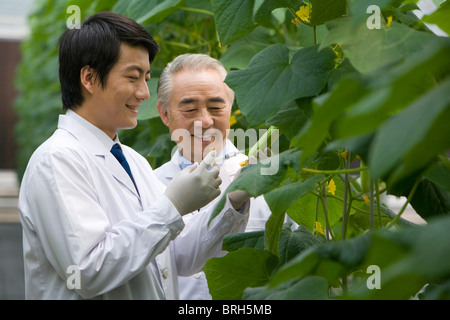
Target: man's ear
88 78
163 113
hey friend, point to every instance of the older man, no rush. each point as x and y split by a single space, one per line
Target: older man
195 103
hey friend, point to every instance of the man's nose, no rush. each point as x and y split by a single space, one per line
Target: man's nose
143 93
205 118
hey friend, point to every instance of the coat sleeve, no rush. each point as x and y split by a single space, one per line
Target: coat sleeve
65 212
200 241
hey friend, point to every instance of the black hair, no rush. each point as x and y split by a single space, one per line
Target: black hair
97 44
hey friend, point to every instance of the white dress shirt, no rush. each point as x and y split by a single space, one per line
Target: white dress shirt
85 223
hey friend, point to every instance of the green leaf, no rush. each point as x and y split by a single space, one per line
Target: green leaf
369 49
233 18
230 275
239 54
293 243
236 18
309 288
331 261
273 80
327 108
394 88
234 241
439 175
358 8
279 200
440 17
418 257
325 10
430 200
289 120
401 142
158 11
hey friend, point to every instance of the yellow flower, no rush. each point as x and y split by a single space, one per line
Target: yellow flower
388 23
318 227
295 21
243 163
366 199
344 154
331 186
232 120
303 14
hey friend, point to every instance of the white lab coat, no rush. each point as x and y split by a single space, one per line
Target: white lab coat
195 287
87 233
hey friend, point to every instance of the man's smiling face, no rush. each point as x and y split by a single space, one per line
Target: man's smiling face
115 106
200 105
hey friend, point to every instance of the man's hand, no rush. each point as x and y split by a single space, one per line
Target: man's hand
238 197
195 186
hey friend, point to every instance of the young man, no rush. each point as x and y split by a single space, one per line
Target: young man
94 215
195 103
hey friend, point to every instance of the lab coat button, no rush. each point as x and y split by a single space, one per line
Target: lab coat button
165 273
229 213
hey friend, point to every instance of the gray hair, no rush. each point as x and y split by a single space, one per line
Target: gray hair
191 61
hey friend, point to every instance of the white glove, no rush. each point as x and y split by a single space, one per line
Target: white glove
195 186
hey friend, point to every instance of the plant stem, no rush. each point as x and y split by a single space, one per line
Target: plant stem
377 194
315 34
408 200
346 189
197 10
371 204
342 171
328 231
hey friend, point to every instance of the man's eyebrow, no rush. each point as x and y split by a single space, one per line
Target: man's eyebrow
216 99
139 69
187 101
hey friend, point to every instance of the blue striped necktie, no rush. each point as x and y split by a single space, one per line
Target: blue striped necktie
117 152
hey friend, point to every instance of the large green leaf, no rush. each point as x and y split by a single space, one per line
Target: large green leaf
233 19
273 79
279 200
369 49
358 8
430 200
394 88
411 139
325 10
440 17
230 275
331 261
309 288
159 11
236 18
327 108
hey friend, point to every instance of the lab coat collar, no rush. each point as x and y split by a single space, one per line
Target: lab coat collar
92 138
98 143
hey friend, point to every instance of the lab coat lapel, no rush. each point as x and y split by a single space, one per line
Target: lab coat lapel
98 149
119 172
